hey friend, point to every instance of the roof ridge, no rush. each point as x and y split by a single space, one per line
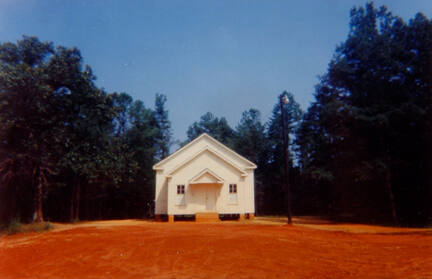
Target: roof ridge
252 165
206 148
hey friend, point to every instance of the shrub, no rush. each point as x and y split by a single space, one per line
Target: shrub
38 227
47 226
15 226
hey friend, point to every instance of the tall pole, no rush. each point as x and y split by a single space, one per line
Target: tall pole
283 101
429 142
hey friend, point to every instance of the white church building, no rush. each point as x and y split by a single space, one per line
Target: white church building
206 180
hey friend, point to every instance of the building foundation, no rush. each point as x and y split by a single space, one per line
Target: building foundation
158 218
207 217
170 218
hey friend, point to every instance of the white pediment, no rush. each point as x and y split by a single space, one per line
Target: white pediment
212 152
202 143
206 176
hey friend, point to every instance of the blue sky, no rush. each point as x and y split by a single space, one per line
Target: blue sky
219 56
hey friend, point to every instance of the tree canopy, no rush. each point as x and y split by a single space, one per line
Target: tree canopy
362 150
366 130
62 136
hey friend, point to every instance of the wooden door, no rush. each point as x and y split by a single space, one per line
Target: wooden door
210 199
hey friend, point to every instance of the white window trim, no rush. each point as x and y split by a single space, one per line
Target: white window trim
233 196
180 197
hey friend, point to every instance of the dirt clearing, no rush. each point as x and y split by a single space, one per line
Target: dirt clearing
259 249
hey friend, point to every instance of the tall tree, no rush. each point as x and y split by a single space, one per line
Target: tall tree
250 137
89 155
122 102
276 192
251 142
87 119
29 115
214 126
372 98
164 138
142 139
58 129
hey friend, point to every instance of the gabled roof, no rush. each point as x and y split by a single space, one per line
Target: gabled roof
212 151
206 176
250 165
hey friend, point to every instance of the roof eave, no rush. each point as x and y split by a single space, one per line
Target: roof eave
158 164
207 148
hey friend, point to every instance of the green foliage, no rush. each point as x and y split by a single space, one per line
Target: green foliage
361 149
122 103
37 227
293 114
259 143
47 226
14 227
29 117
250 137
71 142
164 137
368 119
212 125
273 192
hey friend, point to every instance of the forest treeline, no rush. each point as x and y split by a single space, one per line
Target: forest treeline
361 152
69 150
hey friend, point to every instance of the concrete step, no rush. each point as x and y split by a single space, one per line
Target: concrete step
207 217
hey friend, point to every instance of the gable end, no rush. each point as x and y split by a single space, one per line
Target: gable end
249 164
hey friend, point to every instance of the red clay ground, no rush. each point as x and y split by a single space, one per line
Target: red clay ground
259 249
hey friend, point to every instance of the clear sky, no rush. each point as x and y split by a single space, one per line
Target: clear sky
219 56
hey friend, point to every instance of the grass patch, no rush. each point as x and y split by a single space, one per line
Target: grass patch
15 226
38 227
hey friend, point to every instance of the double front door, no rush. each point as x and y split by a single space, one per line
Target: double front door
205 197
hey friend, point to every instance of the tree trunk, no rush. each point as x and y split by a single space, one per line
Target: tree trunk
388 186
100 210
37 180
72 203
13 212
86 203
77 199
387 181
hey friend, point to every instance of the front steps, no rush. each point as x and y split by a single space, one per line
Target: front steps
207 217
202 217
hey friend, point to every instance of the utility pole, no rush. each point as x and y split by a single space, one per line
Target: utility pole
429 141
283 101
